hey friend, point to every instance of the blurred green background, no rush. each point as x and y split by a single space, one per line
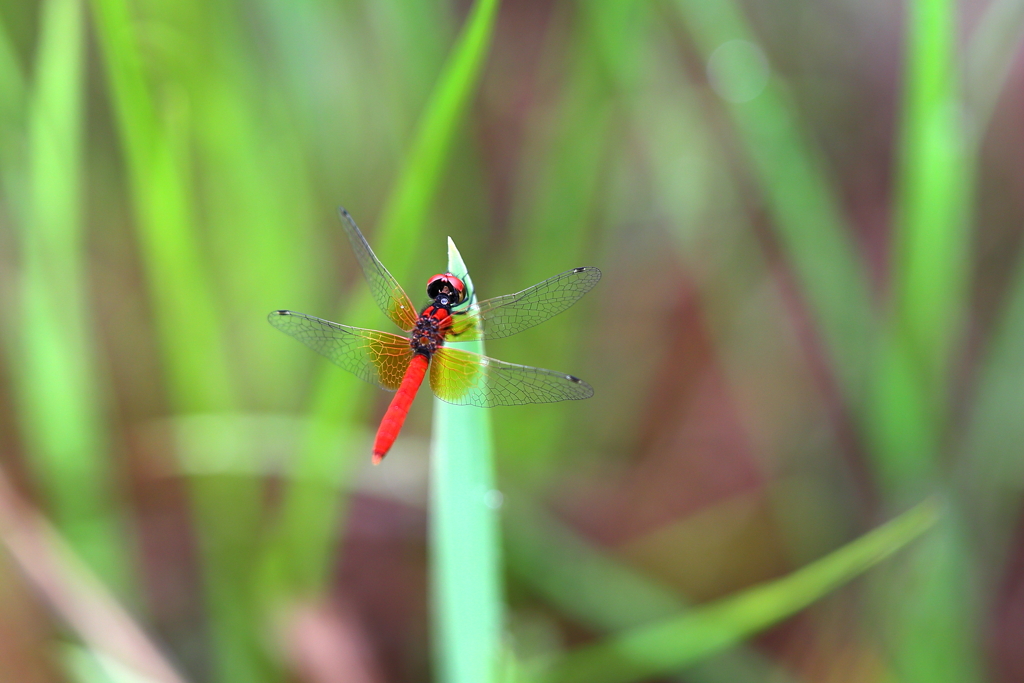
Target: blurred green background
811 320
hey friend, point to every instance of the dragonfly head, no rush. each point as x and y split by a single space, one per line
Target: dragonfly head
446 289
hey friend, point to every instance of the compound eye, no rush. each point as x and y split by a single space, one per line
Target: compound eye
446 283
459 289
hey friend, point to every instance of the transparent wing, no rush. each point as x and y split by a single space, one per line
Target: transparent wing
466 378
506 315
386 291
376 357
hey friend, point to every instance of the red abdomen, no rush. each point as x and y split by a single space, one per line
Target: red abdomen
394 418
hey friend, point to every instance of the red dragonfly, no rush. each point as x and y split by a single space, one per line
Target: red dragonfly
397 363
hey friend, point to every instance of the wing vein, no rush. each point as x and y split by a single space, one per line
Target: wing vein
510 314
466 378
379 358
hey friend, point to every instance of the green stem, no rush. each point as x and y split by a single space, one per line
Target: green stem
464 539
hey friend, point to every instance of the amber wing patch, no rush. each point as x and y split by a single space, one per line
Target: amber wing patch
376 357
386 291
466 378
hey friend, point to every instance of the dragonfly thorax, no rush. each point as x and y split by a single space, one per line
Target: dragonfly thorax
431 327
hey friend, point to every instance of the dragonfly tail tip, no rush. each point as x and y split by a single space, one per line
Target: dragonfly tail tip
377 457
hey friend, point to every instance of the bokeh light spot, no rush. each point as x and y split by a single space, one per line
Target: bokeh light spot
494 499
738 71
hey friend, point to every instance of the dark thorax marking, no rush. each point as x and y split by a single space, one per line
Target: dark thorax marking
431 327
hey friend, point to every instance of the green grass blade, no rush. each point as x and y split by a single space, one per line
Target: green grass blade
905 422
259 216
990 467
126 83
988 58
930 269
556 224
603 594
60 397
930 625
928 613
157 145
299 556
806 213
422 171
902 417
576 577
12 80
464 537
663 647
12 122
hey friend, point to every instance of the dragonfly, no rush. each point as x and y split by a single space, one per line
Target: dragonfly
399 363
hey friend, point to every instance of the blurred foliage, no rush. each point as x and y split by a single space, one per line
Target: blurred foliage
811 319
